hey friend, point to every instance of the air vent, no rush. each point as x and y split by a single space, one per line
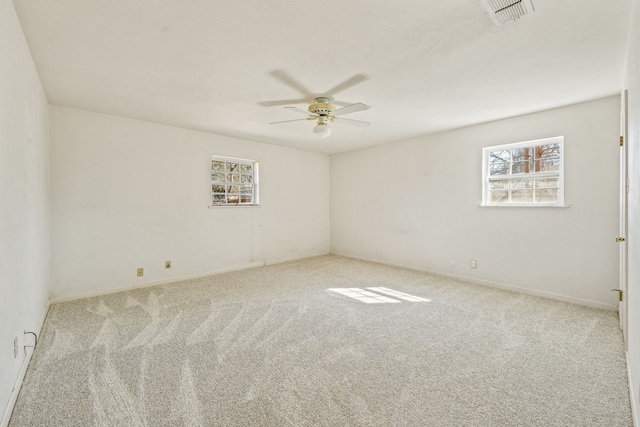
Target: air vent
503 11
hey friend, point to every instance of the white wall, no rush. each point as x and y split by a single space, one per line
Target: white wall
128 194
416 203
632 83
24 201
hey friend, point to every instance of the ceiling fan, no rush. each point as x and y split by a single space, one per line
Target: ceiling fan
322 108
325 112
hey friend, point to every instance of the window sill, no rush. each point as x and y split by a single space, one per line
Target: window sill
233 205
524 206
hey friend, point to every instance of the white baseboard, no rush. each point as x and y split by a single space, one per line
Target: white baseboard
245 266
291 259
100 292
482 282
23 370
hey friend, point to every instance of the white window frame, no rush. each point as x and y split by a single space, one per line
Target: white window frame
487 178
254 184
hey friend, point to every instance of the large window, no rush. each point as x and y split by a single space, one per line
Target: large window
233 181
524 174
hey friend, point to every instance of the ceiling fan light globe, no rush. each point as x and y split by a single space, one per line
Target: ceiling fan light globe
322 130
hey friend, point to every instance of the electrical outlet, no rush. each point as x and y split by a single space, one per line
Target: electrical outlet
167 264
473 264
453 263
140 272
15 347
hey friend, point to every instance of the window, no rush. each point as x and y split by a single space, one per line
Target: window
233 181
524 174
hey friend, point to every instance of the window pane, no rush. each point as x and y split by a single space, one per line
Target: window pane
246 189
233 198
546 151
522 196
524 153
522 184
499 184
499 162
247 178
232 167
547 165
547 196
218 177
246 168
547 183
235 177
217 166
233 189
499 168
521 167
217 188
499 196
218 198
500 156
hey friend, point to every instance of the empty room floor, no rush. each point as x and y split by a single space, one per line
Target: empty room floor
325 341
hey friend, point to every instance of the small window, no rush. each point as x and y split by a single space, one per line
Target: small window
233 181
524 174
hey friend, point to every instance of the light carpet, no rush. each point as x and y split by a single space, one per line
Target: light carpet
273 346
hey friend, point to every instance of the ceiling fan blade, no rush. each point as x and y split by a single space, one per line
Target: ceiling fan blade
283 102
352 122
357 79
350 109
286 121
291 82
298 110
341 103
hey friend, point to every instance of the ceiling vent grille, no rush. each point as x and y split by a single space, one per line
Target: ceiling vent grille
503 11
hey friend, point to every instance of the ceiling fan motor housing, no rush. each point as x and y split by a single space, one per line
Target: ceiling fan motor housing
322 107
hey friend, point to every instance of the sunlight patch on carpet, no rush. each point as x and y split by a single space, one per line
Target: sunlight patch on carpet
377 295
398 294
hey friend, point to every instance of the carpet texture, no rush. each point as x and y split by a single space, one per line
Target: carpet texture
274 346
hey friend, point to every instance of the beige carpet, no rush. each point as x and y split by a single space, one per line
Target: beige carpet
274 346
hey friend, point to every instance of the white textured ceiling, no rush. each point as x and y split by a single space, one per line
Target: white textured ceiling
430 65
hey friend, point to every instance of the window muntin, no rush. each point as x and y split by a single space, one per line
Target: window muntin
233 181
524 174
